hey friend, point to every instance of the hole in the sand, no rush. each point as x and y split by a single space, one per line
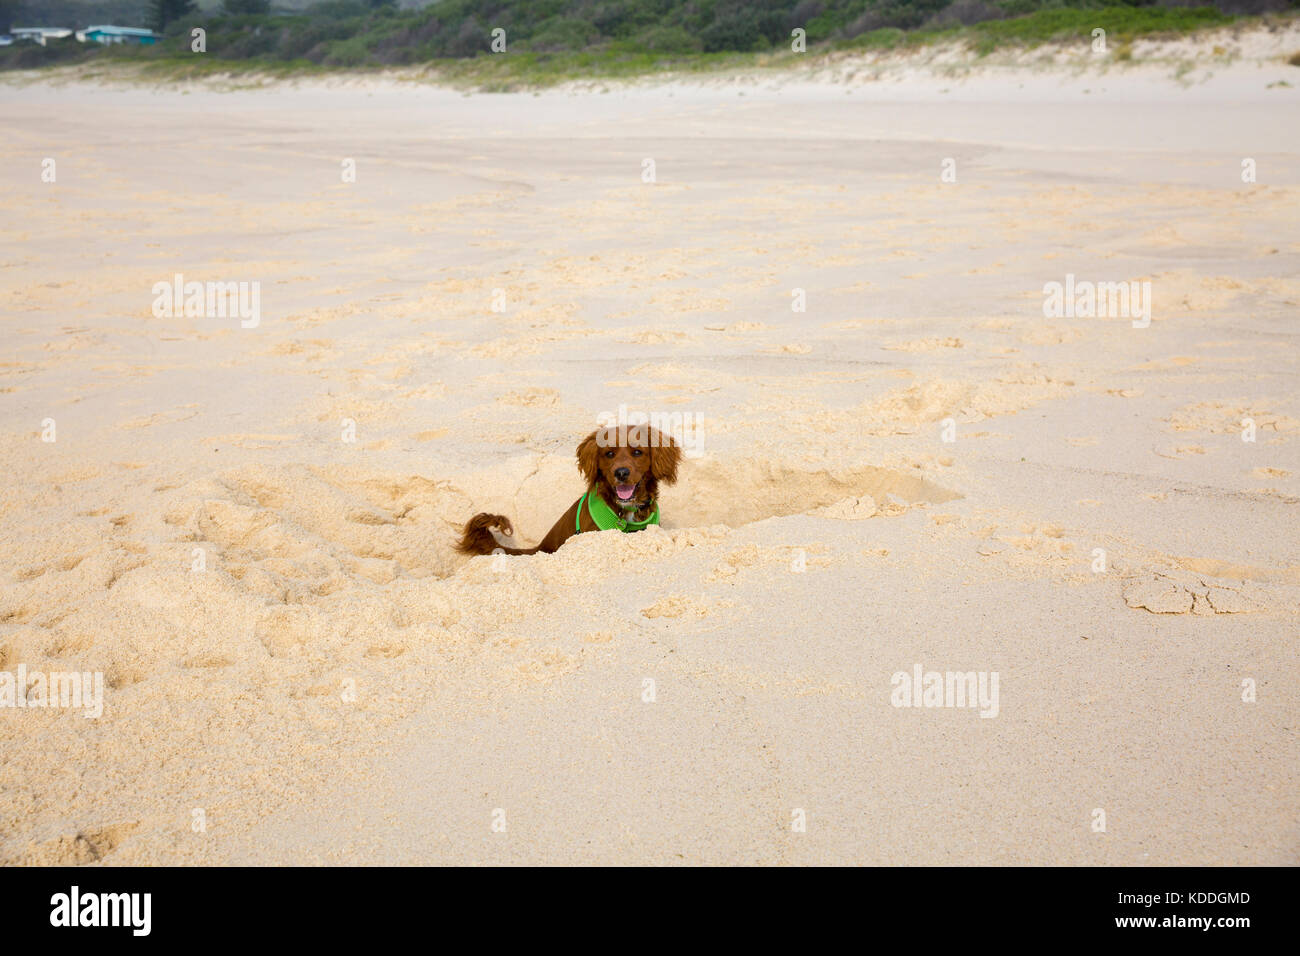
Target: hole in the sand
734 493
742 492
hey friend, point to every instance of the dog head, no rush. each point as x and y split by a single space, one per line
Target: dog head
626 464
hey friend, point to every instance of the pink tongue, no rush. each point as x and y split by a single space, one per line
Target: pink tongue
625 491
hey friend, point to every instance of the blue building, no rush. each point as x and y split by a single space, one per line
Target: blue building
108 34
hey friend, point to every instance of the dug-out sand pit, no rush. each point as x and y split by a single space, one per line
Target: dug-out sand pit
711 492
740 493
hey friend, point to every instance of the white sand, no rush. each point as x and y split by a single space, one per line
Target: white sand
519 686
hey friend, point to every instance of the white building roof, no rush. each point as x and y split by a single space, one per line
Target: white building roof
124 31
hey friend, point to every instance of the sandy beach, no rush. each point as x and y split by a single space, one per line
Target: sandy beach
903 464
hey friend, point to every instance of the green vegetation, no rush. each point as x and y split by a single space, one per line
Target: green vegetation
163 12
1119 22
555 40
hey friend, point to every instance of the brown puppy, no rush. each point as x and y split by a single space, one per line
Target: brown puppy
623 468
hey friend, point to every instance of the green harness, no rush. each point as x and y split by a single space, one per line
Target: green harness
606 519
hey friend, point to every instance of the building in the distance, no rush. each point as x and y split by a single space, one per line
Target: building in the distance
109 34
39 34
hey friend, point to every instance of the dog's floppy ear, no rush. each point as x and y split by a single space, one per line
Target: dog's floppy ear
665 455
588 453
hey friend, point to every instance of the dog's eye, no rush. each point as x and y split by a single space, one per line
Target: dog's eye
610 453
636 452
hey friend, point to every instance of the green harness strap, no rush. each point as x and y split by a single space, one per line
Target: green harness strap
606 519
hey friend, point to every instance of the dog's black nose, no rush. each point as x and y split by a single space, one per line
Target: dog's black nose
622 473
